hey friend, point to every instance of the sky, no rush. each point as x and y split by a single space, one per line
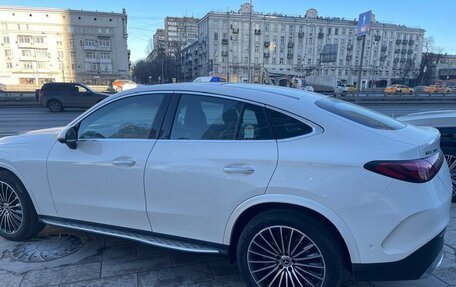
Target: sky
437 17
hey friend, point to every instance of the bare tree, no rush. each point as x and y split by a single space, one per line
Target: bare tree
430 57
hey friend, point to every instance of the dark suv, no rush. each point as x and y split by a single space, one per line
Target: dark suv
57 96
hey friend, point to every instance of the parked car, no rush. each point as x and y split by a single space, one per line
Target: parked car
294 186
2 87
432 89
209 80
445 122
123 85
58 96
399 89
419 89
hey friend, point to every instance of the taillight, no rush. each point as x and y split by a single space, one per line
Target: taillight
418 171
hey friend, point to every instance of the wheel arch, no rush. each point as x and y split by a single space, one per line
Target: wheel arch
248 209
9 168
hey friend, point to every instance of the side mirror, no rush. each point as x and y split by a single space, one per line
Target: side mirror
70 138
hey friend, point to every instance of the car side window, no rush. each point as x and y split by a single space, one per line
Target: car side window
205 118
254 124
81 89
131 118
286 126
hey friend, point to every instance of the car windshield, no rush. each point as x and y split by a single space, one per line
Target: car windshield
359 114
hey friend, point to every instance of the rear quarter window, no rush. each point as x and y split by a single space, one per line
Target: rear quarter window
360 115
285 126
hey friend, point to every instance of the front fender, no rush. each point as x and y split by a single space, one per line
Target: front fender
297 201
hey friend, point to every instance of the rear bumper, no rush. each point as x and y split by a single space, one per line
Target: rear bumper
419 264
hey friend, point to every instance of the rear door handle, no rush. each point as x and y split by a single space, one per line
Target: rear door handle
243 169
124 162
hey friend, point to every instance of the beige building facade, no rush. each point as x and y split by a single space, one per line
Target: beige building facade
39 45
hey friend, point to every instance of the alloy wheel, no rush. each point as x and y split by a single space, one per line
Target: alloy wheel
11 214
284 256
451 160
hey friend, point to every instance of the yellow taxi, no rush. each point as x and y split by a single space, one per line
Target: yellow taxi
436 89
399 89
351 88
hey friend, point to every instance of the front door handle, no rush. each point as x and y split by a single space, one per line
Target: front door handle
243 169
124 162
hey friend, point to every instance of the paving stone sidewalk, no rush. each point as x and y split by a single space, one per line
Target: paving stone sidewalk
92 260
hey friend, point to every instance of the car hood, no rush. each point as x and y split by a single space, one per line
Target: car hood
32 137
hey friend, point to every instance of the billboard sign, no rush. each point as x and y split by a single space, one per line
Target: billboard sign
364 22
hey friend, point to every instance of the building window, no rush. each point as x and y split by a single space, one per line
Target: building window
281 61
27 65
105 56
257 49
41 53
59 43
9 65
71 42
41 65
90 55
73 55
6 40
336 31
23 39
104 42
90 42
60 54
38 40
309 61
26 53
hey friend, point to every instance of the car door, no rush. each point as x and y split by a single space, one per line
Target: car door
212 156
84 98
102 180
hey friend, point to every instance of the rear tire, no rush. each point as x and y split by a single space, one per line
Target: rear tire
55 106
18 218
450 156
280 245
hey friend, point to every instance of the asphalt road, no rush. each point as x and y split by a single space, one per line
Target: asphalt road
17 119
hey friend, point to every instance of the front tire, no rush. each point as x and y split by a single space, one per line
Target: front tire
18 218
287 248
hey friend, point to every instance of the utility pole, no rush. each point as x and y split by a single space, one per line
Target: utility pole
361 63
250 41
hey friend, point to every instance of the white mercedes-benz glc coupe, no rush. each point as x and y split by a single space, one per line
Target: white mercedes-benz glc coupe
293 186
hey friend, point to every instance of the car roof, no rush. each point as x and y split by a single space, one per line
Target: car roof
259 93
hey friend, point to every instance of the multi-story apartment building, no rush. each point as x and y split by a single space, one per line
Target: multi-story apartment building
178 33
301 45
39 45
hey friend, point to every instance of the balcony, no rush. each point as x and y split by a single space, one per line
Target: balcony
321 35
411 42
267 44
235 30
404 42
349 57
266 55
409 51
290 56
349 47
384 48
396 60
377 38
257 31
224 53
398 41
301 34
224 41
403 51
290 44
402 60
383 58
397 51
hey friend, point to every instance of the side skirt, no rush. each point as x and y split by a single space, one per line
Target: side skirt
151 238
